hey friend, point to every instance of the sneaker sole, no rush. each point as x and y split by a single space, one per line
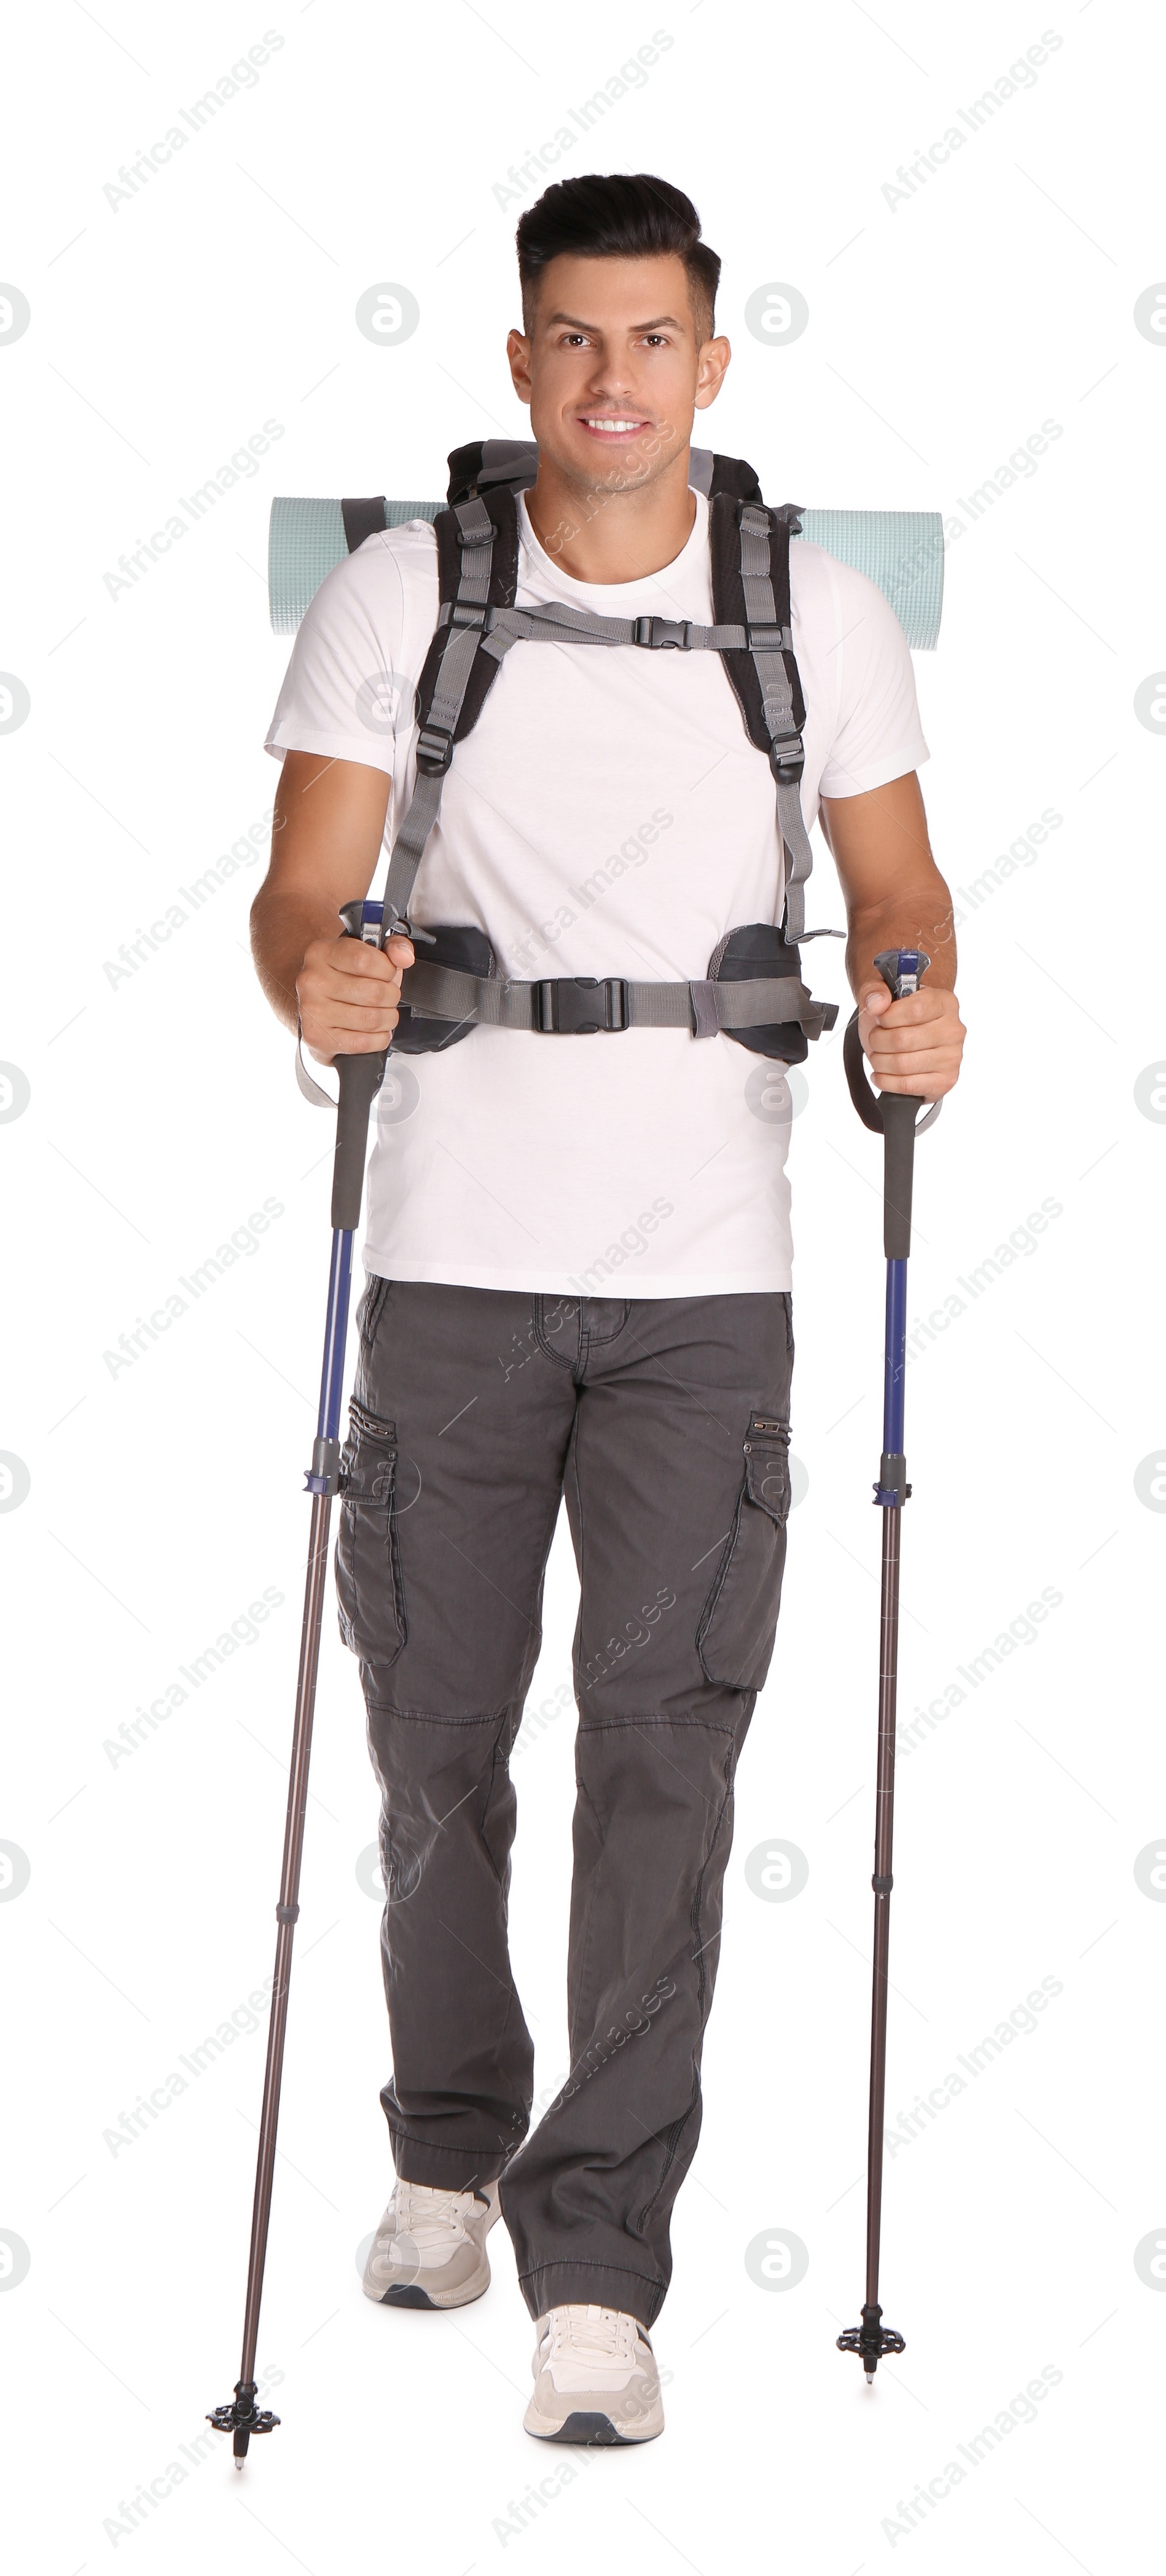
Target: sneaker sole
594 2432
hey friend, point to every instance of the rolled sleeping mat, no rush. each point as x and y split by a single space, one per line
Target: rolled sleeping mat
901 551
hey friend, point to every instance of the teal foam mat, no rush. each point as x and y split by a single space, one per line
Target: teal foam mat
305 539
899 550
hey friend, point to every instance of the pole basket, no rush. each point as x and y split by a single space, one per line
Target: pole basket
871 2340
243 2418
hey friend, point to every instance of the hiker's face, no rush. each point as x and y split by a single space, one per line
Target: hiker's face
614 341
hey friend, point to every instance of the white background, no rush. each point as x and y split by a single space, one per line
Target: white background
942 332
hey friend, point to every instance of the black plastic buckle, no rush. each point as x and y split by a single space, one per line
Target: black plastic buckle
565 1007
434 750
787 765
663 633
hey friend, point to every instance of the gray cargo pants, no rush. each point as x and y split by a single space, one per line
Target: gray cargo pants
665 1422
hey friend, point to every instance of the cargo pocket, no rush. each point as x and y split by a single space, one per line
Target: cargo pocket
368 1560
739 1620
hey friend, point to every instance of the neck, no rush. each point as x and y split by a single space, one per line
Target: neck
597 534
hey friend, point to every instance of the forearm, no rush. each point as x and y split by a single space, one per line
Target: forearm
283 927
326 834
921 917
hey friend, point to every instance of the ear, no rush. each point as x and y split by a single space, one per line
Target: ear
710 372
518 353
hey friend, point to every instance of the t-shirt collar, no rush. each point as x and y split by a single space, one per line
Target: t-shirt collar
693 553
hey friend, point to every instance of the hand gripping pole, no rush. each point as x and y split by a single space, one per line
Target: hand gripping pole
360 1079
895 1115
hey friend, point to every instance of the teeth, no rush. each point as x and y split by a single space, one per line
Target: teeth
615 425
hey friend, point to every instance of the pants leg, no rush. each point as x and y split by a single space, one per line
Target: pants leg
460 1427
678 1490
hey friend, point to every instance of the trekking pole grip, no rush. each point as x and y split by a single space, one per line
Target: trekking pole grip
361 1077
893 1113
902 971
899 1114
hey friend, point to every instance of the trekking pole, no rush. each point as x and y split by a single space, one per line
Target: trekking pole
894 1115
360 1080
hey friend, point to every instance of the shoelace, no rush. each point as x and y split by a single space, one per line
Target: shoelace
426 2214
590 2334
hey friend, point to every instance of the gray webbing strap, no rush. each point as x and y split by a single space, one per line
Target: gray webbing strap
777 703
469 623
449 993
554 621
313 1091
465 619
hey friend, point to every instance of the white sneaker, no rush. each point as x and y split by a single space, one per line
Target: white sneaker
430 2248
595 2379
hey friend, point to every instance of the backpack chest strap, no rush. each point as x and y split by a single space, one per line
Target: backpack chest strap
554 621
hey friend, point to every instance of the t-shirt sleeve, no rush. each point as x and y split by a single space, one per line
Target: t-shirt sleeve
877 734
344 692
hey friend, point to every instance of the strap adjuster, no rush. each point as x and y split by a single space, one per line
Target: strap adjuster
768 639
663 633
569 1005
787 759
463 613
434 750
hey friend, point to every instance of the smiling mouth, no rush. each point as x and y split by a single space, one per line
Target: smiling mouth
603 425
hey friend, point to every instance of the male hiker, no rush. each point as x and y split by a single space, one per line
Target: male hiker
579 1267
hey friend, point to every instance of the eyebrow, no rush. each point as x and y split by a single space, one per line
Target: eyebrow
655 325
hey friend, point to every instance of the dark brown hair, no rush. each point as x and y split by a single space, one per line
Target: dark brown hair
624 216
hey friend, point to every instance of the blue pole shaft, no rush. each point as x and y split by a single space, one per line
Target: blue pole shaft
335 1337
895 1357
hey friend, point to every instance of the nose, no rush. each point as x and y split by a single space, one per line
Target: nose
614 381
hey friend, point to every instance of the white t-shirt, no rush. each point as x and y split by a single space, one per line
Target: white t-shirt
608 815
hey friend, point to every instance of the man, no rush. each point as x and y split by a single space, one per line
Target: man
607 815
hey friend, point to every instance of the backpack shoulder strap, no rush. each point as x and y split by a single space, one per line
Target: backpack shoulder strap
715 474
477 569
750 574
487 461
